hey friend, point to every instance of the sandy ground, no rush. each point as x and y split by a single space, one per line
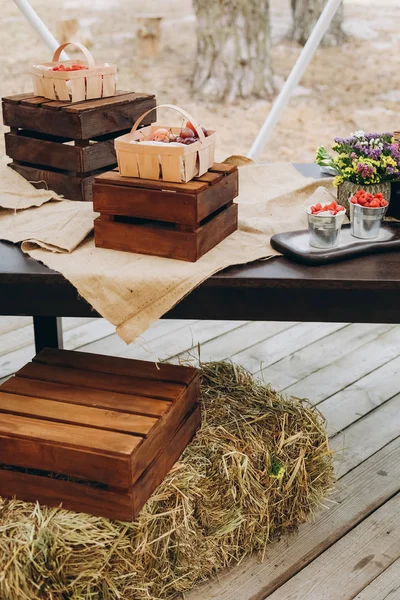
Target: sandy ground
355 86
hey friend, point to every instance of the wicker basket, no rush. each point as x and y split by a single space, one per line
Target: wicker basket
97 81
164 161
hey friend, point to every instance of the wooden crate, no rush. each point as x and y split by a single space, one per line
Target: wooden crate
95 433
182 221
64 145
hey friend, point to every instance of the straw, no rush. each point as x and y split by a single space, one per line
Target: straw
258 467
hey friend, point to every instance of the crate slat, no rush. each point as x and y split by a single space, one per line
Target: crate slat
127 403
103 381
116 365
80 415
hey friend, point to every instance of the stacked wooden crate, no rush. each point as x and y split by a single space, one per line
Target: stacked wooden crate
62 145
173 220
96 434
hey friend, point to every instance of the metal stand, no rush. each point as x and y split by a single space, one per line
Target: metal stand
48 332
39 26
295 75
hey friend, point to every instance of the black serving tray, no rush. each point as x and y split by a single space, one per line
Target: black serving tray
295 245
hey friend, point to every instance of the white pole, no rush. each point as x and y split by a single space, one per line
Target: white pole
39 26
296 74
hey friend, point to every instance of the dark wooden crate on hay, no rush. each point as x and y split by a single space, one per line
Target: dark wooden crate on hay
173 220
63 145
94 433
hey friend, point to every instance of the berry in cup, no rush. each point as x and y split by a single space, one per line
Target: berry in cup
332 209
368 200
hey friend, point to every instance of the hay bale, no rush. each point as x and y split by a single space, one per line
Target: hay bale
257 468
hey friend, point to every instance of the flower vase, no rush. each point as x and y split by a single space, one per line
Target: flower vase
347 189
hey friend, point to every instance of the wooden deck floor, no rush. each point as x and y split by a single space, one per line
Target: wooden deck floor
352 372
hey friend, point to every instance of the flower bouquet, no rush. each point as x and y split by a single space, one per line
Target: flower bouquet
364 160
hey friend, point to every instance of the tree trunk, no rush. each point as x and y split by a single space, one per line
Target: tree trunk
305 15
233 49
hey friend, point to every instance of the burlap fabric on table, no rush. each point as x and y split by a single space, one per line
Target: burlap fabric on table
17 193
131 290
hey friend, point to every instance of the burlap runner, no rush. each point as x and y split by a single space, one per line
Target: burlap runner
17 193
131 290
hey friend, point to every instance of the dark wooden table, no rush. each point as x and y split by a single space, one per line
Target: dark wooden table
363 290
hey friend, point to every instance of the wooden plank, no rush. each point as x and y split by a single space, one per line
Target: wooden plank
159 441
35 101
27 117
224 168
116 366
352 563
16 99
366 436
217 229
114 116
11 324
216 196
65 460
90 330
81 415
384 587
360 493
317 355
42 136
145 239
72 187
72 496
29 149
347 369
107 442
114 178
362 397
97 156
123 384
146 204
210 178
188 339
113 345
75 451
156 472
268 352
121 97
42 152
227 344
126 403
59 104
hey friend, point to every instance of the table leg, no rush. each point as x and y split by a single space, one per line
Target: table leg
48 332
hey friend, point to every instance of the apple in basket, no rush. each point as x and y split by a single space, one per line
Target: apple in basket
187 135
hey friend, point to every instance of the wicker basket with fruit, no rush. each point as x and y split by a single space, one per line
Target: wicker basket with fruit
166 153
74 80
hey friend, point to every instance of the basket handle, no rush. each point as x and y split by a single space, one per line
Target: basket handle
84 50
183 112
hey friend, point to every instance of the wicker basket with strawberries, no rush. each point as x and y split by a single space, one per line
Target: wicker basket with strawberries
74 80
166 153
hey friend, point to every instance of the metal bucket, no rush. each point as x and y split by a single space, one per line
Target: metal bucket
324 230
366 222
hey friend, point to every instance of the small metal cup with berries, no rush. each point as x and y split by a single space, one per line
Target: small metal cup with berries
366 214
324 224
